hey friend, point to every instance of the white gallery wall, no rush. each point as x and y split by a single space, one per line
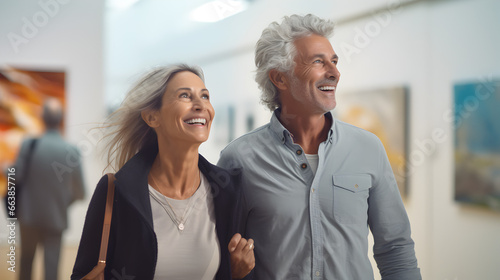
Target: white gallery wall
62 35
427 46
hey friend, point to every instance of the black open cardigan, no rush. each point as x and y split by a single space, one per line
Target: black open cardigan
133 247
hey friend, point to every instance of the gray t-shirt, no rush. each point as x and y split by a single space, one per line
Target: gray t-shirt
191 253
313 160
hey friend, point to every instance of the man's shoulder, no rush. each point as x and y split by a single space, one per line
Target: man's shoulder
54 143
68 146
353 136
349 129
251 137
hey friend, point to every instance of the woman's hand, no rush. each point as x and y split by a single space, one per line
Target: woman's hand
242 257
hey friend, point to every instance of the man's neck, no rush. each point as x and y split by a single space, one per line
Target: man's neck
308 130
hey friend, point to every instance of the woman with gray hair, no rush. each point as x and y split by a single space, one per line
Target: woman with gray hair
175 215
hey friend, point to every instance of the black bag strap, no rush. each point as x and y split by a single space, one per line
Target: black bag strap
10 212
31 149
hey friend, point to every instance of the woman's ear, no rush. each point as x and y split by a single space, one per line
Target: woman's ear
151 118
279 79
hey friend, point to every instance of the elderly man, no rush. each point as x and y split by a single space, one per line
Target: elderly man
313 186
52 180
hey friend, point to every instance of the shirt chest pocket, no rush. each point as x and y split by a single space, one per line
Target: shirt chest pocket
350 198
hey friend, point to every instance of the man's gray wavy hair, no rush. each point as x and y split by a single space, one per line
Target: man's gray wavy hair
275 50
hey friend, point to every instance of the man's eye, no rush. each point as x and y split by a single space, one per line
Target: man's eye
184 95
205 96
317 61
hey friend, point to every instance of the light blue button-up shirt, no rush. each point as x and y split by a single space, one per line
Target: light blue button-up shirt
308 226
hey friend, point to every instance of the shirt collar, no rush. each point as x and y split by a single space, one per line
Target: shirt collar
283 135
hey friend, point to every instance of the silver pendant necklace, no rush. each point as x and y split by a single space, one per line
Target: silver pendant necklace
179 222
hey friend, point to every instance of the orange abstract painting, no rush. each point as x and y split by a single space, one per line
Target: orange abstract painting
383 112
22 94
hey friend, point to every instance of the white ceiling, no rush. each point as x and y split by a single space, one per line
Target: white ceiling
159 31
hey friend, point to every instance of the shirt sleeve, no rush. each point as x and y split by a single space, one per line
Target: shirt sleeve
228 162
394 248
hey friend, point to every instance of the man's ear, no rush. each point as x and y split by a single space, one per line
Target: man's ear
151 118
279 79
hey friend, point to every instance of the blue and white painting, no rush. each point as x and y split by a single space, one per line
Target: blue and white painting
477 143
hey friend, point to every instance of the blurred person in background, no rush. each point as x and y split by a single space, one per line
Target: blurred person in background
52 181
175 215
313 186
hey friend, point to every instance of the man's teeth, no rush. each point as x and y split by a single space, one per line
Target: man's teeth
327 88
197 121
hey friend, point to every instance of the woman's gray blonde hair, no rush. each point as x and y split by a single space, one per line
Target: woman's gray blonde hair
127 131
275 50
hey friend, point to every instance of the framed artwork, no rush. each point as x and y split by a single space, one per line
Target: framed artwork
223 128
477 143
231 121
22 94
384 113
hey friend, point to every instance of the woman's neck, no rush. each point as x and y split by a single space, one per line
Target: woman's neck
175 171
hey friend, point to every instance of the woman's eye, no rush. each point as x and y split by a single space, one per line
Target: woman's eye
184 95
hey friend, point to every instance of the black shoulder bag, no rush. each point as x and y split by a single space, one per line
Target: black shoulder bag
12 197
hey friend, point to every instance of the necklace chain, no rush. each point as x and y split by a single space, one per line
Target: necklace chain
180 222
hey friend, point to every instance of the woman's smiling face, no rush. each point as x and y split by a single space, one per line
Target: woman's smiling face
186 113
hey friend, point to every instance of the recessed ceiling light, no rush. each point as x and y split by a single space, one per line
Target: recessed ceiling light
120 4
217 10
